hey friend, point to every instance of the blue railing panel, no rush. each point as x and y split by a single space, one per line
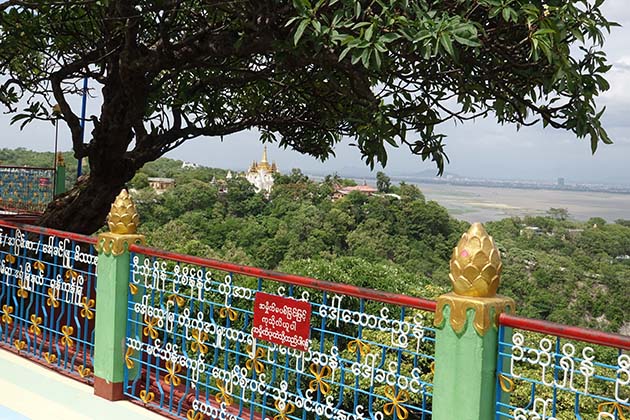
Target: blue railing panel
47 299
551 378
190 351
26 189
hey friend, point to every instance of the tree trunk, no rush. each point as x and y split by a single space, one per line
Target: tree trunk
84 208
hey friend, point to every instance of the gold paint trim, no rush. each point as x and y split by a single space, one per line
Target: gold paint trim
128 361
486 310
506 383
193 415
60 159
614 407
147 396
117 244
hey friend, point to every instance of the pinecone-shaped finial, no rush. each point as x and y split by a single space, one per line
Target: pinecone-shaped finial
476 264
123 217
60 160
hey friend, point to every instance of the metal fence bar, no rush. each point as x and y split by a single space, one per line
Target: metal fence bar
586 335
345 289
190 351
552 371
47 297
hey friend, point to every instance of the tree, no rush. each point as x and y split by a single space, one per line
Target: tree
383 182
304 73
558 213
410 192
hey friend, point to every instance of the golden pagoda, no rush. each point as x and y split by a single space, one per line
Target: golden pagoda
260 174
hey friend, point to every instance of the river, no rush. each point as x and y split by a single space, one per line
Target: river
482 204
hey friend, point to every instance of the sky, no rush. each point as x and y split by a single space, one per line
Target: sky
480 149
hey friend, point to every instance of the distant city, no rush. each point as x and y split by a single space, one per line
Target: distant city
560 184
428 177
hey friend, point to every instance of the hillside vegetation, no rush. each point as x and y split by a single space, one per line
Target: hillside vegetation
556 268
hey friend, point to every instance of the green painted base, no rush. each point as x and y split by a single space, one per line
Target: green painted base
60 180
465 364
111 316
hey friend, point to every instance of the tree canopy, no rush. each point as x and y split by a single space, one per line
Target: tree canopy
305 73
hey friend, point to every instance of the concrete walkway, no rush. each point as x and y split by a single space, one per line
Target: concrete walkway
31 392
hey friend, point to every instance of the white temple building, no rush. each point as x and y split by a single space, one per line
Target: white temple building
260 175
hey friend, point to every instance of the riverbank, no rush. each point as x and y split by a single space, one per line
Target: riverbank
482 204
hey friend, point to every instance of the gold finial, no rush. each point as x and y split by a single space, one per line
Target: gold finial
123 218
476 264
60 161
56 110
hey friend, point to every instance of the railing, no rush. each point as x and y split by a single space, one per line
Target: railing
550 371
201 339
25 189
192 350
47 297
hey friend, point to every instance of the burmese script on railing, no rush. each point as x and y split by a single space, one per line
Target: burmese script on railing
556 379
47 298
282 321
195 348
26 189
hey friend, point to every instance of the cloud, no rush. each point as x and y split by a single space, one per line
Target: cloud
616 10
619 79
622 65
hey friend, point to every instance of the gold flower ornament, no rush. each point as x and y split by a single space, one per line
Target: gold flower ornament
123 217
476 264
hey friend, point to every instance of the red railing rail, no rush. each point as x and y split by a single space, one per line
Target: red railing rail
53 232
536 325
565 331
326 286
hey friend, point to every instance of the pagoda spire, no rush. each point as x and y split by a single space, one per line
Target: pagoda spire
264 156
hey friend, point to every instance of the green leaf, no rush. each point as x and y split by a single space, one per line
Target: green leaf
466 41
380 47
365 58
577 34
594 140
368 32
447 43
300 30
377 59
344 52
360 25
387 38
293 19
544 31
602 83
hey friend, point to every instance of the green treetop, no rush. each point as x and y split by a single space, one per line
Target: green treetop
305 73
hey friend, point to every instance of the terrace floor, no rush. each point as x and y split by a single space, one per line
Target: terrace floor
31 392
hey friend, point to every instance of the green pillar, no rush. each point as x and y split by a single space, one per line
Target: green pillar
60 175
111 297
466 322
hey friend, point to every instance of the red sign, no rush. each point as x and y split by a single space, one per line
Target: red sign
44 182
283 321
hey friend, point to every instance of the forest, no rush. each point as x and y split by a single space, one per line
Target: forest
556 268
